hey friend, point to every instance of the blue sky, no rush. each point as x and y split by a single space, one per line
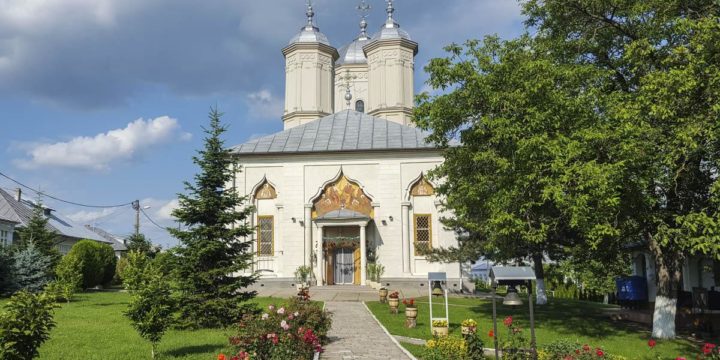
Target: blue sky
101 101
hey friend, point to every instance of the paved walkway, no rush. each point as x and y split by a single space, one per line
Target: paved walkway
356 335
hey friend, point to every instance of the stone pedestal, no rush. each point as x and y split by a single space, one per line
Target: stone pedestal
410 322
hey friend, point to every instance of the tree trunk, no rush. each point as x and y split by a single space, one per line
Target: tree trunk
667 267
541 295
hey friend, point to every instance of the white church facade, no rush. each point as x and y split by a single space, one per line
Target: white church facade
344 184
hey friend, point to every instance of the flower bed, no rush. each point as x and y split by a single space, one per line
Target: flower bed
293 332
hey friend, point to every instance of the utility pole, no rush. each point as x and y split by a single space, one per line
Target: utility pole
136 207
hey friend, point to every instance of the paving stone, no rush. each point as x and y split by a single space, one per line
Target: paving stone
356 335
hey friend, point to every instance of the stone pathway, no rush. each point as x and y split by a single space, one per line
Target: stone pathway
356 335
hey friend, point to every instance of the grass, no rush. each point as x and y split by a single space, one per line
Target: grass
93 327
578 321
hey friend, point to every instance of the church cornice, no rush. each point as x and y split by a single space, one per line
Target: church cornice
379 43
290 115
311 46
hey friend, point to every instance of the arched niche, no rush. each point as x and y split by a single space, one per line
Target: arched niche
264 190
342 193
422 187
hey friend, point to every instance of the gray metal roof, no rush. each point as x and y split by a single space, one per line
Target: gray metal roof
347 130
343 214
309 34
500 273
116 242
353 53
22 211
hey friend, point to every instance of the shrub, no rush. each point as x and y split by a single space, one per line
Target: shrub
152 306
564 349
293 331
69 278
375 271
25 324
6 270
442 348
133 273
302 274
119 268
474 345
31 269
98 262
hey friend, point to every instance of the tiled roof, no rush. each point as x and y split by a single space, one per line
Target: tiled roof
21 212
347 130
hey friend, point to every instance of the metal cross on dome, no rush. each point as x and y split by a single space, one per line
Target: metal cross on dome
347 78
364 9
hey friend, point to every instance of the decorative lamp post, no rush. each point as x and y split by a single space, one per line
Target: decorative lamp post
513 276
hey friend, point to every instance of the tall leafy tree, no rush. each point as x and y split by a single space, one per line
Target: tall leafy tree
38 233
527 181
214 249
662 93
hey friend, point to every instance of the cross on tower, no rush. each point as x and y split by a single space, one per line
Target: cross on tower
364 9
347 78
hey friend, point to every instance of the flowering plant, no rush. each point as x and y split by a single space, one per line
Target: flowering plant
294 331
710 351
469 323
409 303
394 295
439 323
568 350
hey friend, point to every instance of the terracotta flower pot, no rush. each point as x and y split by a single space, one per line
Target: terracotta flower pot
440 331
411 312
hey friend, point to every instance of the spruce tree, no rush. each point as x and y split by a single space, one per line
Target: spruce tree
38 233
31 269
214 247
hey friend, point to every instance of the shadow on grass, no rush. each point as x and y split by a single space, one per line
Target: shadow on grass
110 304
194 350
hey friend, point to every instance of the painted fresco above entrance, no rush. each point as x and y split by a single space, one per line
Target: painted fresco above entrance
342 193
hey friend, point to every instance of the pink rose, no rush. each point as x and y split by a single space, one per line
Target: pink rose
265 316
281 310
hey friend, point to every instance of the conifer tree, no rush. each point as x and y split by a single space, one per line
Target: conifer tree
38 233
140 243
31 269
214 248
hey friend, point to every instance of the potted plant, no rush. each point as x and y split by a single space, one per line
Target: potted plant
440 327
468 326
302 275
411 313
394 301
383 294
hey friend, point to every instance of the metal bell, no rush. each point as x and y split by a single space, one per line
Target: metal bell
512 298
437 289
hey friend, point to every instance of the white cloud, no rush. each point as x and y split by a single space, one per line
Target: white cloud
263 105
99 151
165 212
87 217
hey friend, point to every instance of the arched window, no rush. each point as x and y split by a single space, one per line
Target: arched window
360 106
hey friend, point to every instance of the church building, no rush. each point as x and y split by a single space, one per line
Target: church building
344 184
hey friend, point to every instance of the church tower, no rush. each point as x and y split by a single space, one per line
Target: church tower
391 66
308 75
351 70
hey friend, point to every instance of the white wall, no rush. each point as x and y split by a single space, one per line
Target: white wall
385 177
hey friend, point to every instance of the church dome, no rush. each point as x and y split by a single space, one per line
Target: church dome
309 33
391 29
353 53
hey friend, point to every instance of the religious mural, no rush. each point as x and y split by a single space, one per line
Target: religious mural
265 191
422 188
342 194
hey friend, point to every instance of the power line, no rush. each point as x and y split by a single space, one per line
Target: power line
61 200
152 221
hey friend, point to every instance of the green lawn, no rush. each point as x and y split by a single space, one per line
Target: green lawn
93 327
579 321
